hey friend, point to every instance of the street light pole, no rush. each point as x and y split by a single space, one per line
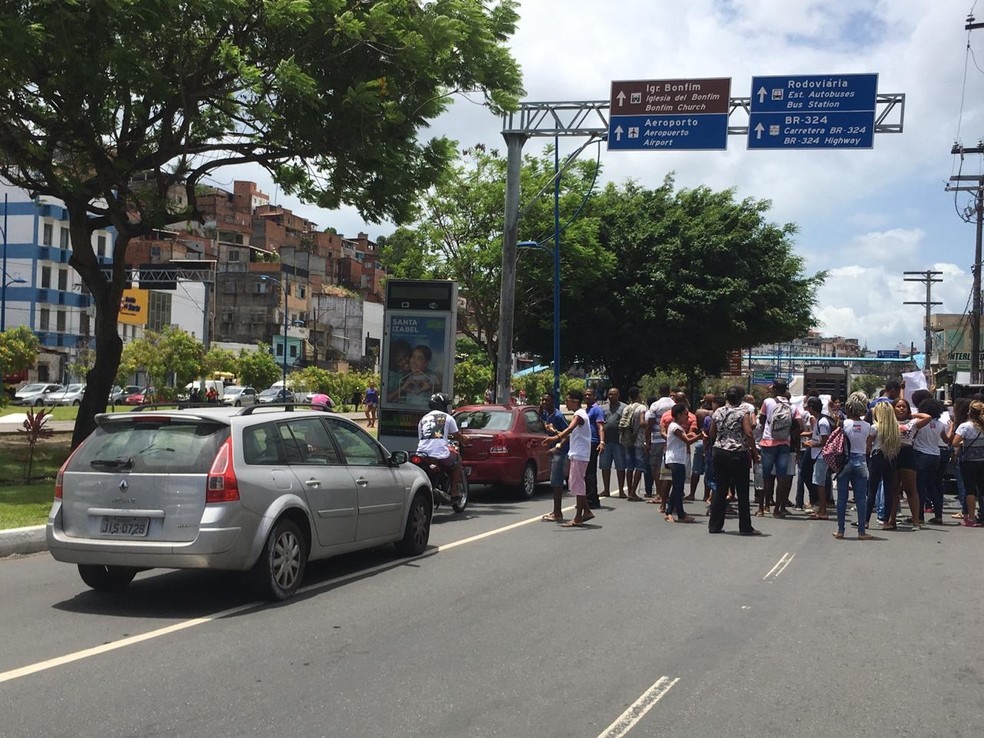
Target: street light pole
3 290
283 286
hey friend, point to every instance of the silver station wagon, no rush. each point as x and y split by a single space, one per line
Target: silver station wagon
260 490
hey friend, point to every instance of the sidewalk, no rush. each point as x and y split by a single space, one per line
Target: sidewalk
30 540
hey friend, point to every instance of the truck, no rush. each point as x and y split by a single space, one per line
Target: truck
826 380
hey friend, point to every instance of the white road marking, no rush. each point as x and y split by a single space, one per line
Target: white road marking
780 566
53 663
638 709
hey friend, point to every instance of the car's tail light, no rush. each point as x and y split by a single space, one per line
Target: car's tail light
222 484
60 477
498 444
416 459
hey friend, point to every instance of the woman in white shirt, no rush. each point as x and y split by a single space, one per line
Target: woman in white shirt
858 433
968 440
926 444
678 442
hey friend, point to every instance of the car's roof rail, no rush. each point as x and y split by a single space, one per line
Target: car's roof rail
288 406
174 406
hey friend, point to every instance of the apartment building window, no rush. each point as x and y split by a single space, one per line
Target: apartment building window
233 255
302 291
100 245
44 319
293 351
63 238
63 279
47 234
45 277
280 349
60 321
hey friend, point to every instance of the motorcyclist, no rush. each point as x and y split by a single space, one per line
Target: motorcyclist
434 433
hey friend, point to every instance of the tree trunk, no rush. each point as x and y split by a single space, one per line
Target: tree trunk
100 379
106 295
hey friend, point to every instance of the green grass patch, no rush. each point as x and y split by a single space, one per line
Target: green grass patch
25 504
56 413
49 455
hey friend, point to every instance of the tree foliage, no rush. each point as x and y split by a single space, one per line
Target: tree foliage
699 274
257 368
109 105
459 237
218 359
173 353
18 349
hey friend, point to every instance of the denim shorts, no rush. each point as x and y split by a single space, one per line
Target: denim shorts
699 458
558 469
775 461
635 459
614 453
820 470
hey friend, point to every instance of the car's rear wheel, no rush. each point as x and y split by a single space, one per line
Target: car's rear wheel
278 572
527 485
238 403
76 403
460 503
417 531
107 578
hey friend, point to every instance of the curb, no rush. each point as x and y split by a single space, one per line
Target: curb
22 540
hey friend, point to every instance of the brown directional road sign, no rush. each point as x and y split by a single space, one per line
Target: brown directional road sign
671 96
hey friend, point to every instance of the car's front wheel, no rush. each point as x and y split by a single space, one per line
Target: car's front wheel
278 572
107 578
527 485
77 403
416 534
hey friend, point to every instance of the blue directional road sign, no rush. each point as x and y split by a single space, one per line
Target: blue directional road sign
661 132
813 112
680 114
887 354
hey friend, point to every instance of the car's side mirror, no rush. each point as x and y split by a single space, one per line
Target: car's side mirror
399 457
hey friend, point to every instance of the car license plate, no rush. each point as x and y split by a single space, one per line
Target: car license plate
128 527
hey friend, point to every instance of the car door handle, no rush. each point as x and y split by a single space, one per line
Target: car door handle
313 483
362 482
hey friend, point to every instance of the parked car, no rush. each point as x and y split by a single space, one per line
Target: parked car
36 393
119 394
70 395
140 397
238 396
276 394
216 488
503 444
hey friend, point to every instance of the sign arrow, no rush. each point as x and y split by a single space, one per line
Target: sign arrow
762 93
618 133
758 129
621 98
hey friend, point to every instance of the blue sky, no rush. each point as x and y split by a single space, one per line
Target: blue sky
865 215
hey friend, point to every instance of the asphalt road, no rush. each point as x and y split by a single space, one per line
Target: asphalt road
513 627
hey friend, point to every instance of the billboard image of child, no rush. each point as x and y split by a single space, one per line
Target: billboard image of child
416 347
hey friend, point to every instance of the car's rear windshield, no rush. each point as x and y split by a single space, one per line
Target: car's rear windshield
484 420
151 446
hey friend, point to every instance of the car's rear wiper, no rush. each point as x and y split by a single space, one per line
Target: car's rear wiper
126 463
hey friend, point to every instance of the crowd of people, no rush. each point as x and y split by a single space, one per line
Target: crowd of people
869 453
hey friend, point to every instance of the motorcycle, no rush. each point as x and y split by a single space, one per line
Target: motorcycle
440 481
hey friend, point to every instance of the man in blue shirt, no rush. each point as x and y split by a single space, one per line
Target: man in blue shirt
554 421
596 416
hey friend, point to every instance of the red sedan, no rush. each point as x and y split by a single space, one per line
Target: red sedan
503 444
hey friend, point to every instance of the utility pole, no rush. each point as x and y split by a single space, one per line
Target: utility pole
928 277
978 209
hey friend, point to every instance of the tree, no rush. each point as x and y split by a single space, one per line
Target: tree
257 368
18 350
112 106
459 237
173 352
219 360
699 274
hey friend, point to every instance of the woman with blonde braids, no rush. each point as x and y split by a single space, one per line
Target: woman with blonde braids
968 440
858 433
885 447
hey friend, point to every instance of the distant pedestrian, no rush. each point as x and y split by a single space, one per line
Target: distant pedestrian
579 456
596 416
733 452
356 399
372 402
613 454
678 442
554 422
